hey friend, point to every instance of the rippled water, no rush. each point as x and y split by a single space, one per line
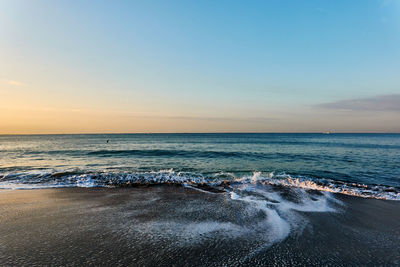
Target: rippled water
366 165
236 199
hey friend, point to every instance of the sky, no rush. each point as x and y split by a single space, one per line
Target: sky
199 66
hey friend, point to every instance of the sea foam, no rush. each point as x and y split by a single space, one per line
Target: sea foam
219 181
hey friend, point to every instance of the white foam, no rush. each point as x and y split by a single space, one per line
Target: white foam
282 215
256 176
352 189
234 196
47 179
19 186
85 181
74 181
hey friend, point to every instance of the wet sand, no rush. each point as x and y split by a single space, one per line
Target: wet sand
171 225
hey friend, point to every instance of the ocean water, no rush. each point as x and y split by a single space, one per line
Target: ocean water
200 199
365 165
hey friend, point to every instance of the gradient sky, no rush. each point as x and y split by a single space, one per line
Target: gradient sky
199 66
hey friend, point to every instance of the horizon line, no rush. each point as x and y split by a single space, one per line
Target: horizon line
120 133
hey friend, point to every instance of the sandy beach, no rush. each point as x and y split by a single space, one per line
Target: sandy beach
171 225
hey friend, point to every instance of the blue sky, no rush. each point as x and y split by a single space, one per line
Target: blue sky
199 66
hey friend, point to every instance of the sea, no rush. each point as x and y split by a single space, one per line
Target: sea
364 165
215 199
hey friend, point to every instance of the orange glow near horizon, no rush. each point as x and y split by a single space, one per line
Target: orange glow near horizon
139 66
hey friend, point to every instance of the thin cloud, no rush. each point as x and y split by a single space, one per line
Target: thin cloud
389 103
16 83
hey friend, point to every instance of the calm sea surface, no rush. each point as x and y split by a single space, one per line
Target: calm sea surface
365 164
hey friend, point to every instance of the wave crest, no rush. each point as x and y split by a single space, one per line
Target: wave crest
218 182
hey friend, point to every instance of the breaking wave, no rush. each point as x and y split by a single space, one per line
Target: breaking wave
218 182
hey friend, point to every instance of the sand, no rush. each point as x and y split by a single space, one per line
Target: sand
171 225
